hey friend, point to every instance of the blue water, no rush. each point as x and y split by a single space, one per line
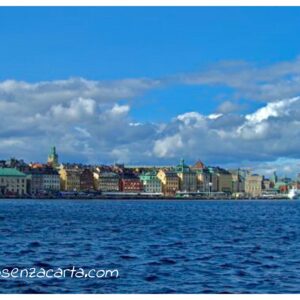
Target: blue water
158 246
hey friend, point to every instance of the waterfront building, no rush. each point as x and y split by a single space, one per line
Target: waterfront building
266 185
69 178
150 182
106 181
224 180
273 180
213 179
12 182
35 182
297 182
86 180
282 186
131 183
253 185
169 181
53 158
51 180
43 179
187 178
203 177
238 181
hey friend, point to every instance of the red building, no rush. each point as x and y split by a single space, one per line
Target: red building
131 184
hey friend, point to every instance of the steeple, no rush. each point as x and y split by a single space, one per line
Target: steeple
53 151
274 177
53 157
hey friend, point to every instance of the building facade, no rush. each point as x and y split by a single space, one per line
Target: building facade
131 184
150 182
69 179
187 178
86 180
203 178
107 181
169 181
238 181
43 179
12 182
253 185
224 183
210 178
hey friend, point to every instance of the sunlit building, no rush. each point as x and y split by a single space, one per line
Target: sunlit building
69 179
187 177
150 182
169 181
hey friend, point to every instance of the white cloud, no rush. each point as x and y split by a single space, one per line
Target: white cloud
66 113
267 83
120 109
87 122
274 109
83 132
214 116
168 146
264 135
75 110
192 119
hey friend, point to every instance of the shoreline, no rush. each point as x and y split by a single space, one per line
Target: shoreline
149 198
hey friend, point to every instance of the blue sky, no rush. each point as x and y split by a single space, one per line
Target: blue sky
173 49
113 43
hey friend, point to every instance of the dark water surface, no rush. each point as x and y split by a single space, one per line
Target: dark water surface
158 247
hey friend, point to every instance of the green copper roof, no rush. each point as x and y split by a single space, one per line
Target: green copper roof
279 184
11 172
52 150
182 167
148 175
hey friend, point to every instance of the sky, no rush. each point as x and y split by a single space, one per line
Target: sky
152 85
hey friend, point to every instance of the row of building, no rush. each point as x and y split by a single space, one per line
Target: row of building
19 178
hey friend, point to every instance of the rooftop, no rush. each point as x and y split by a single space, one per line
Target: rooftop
11 172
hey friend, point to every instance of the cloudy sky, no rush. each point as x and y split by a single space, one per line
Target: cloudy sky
152 85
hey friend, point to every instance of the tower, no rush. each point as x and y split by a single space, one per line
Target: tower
274 178
53 157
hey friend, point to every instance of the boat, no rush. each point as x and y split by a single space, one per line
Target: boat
293 194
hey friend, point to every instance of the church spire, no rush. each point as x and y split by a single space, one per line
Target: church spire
53 157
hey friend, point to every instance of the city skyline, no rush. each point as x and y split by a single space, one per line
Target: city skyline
53 160
149 86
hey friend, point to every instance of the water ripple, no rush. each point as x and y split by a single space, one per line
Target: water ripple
158 247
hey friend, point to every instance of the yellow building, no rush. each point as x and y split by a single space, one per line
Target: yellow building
69 179
187 178
169 181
